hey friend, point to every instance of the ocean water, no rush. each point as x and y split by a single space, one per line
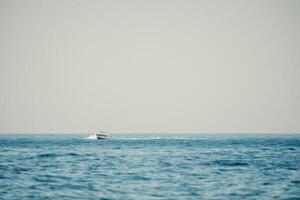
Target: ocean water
150 167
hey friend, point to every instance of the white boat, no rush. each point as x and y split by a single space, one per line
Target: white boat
99 135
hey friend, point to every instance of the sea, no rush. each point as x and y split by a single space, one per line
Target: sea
150 166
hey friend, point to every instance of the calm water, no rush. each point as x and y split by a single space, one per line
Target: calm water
150 167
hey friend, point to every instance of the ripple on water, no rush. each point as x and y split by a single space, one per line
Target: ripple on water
218 167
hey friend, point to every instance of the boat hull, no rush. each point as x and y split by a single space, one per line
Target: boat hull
101 136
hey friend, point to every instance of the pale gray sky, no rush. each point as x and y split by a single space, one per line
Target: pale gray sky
150 66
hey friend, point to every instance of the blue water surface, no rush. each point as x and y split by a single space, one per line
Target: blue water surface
148 166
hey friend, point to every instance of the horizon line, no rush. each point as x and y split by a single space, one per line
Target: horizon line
140 132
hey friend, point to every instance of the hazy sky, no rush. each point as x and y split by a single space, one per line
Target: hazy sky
150 66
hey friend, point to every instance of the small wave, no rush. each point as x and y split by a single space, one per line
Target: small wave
46 155
73 154
19 170
296 181
290 148
53 155
230 163
50 178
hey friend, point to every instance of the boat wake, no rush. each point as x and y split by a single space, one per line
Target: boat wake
91 137
137 138
94 137
157 138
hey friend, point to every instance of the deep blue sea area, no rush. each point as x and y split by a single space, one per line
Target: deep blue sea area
145 166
